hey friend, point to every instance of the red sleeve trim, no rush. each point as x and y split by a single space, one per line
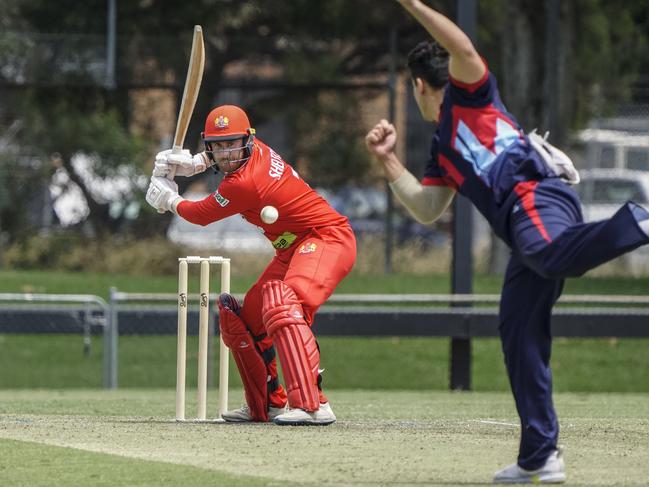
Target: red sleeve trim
455 176
471 87
430 181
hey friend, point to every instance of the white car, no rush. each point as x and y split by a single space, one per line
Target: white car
602 193
616 149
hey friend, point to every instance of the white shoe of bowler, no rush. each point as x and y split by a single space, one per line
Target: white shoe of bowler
553 472
644 225
300 417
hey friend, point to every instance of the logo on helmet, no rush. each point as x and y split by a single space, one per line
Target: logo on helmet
222 122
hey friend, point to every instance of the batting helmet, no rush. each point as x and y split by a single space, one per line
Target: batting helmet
224 123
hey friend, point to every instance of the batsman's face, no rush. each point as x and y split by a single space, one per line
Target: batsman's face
229 155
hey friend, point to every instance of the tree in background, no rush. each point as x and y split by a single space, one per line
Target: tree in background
274 59
90 143
270 55
293 39
610 40
602 49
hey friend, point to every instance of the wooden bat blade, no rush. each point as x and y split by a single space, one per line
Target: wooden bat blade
190 93
192 86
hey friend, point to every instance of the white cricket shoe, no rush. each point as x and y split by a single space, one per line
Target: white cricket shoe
553 472
242 415
300 417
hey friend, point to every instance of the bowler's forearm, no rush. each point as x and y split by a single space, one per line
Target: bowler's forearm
393 168
425 203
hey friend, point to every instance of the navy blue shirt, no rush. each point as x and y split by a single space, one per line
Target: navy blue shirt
480 150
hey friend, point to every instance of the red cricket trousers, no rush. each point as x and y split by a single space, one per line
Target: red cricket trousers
313 266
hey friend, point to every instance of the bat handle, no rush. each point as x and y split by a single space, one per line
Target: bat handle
177 149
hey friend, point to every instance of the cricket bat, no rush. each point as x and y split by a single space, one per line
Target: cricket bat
190 93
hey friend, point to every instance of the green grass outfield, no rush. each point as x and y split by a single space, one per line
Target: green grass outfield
382 438
579 365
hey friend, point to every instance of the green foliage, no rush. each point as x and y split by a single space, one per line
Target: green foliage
607 51
68 127
331 140
55 131
71 16
74 252
39 252
297 43
22 183
602 48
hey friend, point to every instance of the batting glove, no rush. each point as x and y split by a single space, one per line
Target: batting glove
162 194
179 164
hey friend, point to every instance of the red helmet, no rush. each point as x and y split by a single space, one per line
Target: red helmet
228 122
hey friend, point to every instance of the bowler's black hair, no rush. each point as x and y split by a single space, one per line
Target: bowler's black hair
429 61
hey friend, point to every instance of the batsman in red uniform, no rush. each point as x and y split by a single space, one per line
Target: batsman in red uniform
315 250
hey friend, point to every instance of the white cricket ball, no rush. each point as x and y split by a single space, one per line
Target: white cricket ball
269 214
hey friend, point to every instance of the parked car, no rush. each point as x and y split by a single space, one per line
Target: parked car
603 191
615 149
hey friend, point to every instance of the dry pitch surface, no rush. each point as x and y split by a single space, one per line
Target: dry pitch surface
381 438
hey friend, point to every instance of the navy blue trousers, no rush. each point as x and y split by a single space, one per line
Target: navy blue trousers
549 242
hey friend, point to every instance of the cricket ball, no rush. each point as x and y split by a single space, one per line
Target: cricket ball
269 214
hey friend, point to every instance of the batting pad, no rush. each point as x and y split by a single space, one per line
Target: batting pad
250 363
296 346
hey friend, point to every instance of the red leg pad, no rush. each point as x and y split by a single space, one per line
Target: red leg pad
249 361
296 346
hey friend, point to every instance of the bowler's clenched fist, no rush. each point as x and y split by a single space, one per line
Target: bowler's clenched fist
381 139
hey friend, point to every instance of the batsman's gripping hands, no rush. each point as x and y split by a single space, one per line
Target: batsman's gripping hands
167 163
162 194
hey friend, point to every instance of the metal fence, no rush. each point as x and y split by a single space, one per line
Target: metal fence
62 313
462 316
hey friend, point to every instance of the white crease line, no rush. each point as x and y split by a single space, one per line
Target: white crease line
497 423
